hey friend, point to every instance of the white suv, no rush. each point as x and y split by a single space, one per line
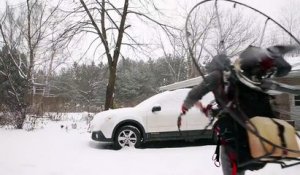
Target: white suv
153 119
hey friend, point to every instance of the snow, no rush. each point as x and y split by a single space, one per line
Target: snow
53 150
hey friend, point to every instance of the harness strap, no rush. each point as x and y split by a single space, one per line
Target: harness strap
232 158
231 154
234 168
281 136
216 155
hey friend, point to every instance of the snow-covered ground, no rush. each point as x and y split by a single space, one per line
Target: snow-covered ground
56 151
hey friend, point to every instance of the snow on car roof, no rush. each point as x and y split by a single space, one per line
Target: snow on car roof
154 98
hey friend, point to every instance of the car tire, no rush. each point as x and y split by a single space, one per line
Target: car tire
127 136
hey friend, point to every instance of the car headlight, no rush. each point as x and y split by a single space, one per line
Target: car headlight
99 122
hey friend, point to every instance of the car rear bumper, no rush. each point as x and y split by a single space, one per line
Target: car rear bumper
99 136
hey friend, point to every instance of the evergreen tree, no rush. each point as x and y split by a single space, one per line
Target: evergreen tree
80 85
12 83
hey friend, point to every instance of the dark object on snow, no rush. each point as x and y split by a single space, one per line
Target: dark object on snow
74 126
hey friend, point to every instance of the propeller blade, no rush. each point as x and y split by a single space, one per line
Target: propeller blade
282 49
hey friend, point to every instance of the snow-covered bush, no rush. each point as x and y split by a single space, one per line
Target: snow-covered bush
7 119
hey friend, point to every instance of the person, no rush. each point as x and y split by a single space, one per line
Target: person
242 88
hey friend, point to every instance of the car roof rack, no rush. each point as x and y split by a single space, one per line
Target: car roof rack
182 84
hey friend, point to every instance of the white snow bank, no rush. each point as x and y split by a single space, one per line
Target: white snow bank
55 151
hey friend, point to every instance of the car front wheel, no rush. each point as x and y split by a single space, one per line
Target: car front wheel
127 136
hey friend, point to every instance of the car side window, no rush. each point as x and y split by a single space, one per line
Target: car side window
171 101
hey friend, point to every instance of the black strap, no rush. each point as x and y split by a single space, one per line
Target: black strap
281 130
216 156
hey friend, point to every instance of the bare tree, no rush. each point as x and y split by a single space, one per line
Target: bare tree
209 26
29 33
109 23
102 33
200 24
176 50
39 17
290 19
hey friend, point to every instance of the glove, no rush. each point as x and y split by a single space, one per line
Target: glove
184 109
179 122
207 109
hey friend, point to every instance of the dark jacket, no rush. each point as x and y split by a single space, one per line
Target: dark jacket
244 99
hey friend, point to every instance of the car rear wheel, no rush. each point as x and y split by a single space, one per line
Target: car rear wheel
127 136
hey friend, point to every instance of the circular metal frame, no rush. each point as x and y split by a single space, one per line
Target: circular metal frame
232 113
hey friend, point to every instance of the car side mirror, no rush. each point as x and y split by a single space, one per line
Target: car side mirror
156 108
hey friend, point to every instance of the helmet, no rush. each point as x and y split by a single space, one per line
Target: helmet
218 62
277 52
258 63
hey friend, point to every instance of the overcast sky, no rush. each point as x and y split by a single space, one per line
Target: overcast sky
270 7
273 8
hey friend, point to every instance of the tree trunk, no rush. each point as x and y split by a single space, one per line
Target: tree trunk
112 60
110 88
20 116
113 63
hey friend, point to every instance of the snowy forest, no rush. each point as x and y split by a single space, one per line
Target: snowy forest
84 84
71 69
68 56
